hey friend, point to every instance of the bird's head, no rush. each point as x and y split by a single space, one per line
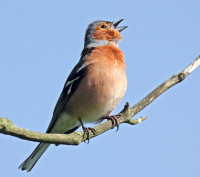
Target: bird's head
101 33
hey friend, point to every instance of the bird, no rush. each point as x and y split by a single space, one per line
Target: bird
94 87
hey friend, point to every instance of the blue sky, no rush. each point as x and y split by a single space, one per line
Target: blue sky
41 41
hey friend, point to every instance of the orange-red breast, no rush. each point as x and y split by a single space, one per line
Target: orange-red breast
93 89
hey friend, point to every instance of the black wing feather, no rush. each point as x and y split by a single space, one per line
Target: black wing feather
77 75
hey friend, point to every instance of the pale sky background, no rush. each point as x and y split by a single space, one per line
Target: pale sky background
41 41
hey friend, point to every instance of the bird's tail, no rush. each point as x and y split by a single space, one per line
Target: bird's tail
29 163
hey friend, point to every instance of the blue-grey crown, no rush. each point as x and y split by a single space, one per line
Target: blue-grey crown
89 41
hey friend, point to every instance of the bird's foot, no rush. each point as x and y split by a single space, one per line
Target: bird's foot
114 120
87 130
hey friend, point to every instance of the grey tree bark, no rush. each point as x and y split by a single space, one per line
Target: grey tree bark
8 128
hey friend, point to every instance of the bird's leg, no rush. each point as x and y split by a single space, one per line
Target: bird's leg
87 130
113 120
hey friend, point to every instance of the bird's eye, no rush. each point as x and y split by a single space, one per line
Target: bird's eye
103 26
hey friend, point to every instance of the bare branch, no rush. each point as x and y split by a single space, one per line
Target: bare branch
8 128
175 79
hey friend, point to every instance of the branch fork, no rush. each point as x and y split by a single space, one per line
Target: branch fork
75 138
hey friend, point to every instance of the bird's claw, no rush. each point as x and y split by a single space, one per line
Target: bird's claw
114 120
87 130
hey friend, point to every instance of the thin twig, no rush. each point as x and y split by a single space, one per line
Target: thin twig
8 128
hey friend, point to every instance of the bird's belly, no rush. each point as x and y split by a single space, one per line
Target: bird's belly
100 92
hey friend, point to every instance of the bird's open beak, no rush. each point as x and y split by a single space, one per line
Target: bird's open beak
120 28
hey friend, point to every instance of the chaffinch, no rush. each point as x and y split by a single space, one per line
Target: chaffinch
94 88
